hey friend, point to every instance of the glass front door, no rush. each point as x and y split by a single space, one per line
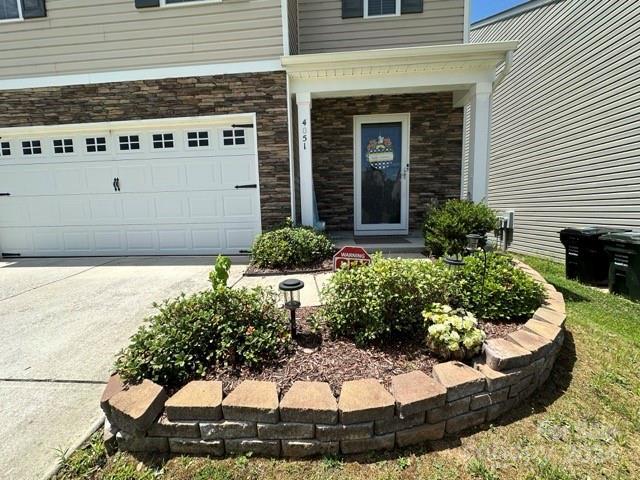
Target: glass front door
381 171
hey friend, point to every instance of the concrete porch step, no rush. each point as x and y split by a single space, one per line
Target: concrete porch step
387 244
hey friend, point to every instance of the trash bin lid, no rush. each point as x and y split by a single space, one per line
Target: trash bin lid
590 231
629 237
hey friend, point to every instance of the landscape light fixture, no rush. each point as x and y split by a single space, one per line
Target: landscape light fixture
290 289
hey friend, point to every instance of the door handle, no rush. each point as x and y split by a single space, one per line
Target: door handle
115 189
253 185
5 194
116 184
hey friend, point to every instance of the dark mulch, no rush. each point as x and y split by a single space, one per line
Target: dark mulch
322 358
323 266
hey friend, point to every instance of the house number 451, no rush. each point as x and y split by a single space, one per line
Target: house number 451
305 134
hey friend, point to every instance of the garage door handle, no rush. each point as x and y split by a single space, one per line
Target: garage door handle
253 185
5 194
116 184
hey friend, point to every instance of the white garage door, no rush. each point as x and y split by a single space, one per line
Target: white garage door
149 189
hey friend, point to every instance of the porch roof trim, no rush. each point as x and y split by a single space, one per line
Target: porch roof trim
468 54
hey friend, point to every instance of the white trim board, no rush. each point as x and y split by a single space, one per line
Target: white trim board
129 124
142 74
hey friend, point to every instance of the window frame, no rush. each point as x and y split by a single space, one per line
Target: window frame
233 137
20 15
9 147
365 10
188 3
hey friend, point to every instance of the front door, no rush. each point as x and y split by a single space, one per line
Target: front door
381 174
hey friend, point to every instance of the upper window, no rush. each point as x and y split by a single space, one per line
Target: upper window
129 142
178 2
10 10
233 137
5 149
163 140
378 8
64 145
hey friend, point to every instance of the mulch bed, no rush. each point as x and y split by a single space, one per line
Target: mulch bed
324 266
326 359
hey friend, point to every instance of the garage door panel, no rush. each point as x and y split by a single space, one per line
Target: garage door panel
178 198
237 170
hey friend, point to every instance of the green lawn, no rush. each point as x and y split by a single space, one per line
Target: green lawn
583 424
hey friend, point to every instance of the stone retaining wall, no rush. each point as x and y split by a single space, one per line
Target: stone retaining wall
308 420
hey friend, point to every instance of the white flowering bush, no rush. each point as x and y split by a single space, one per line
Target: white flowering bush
452 334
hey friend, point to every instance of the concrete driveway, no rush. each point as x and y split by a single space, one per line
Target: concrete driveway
61 323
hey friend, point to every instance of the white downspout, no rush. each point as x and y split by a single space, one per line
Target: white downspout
508 64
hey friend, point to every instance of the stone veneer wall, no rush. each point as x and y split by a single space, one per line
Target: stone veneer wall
262 93
308 421
435 147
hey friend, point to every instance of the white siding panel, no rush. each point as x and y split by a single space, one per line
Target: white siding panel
565 147
84 37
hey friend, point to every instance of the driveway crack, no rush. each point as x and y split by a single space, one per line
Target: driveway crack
58 280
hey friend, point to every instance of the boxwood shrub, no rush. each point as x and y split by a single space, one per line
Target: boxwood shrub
448 225
290 247
509 293
191 334
387 297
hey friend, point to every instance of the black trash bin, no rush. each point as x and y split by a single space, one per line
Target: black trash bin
623 249
585 257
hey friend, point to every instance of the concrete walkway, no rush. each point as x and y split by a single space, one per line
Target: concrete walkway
309 295
62 321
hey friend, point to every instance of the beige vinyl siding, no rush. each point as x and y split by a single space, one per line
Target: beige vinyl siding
565 147
322 28
293 26
78 36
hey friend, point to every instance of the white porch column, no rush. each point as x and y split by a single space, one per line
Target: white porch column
303 101
479 142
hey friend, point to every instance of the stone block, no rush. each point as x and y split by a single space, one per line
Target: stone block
285 431
485 399
459 379
114 385
416 392
364 400
545 330
327 433
450 409
468 420
396 423
141 443
134 409
537 345
198 400
253 401
163 427
515 390
495 411
228 429
502 354
379 442
266 448
309 402
553 317
420 434
308 448
196 446
498 380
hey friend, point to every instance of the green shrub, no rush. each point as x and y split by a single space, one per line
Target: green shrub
509 293
452 334
384 298
190 334
447 226
290 247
